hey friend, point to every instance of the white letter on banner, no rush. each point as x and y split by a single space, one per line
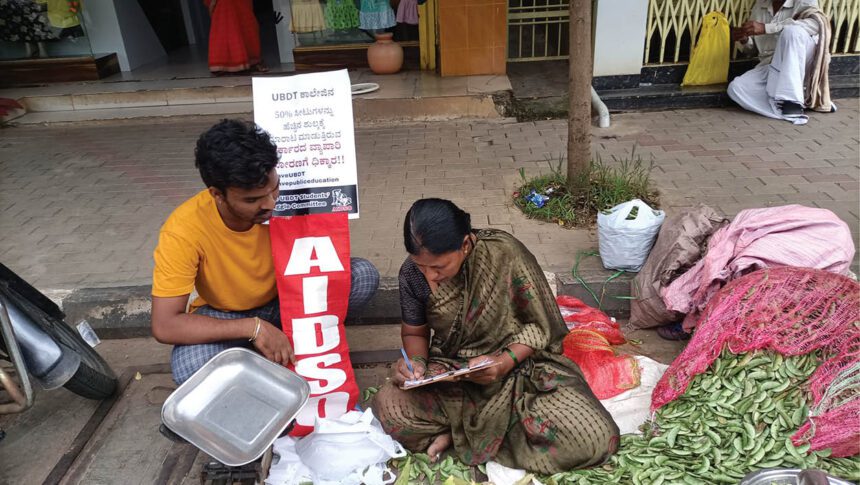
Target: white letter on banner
334 405
314 368
303 250
305 334
315 294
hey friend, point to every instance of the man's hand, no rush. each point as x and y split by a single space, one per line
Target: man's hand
752 28
738 35
504 365
402 374
273 343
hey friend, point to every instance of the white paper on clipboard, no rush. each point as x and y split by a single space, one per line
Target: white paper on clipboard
450 375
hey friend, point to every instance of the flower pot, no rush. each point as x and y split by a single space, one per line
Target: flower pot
385 56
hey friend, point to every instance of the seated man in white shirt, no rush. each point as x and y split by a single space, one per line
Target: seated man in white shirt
787 50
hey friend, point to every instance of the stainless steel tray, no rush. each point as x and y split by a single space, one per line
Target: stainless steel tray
782 476
235 406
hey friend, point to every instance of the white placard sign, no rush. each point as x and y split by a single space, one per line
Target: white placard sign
309 117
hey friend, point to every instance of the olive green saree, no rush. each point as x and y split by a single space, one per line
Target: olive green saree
542 416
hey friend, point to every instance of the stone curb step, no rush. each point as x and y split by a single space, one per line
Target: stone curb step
138 98
73 116
124 312
658 97
209 100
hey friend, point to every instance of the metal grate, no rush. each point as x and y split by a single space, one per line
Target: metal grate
845 20
537 30
674 24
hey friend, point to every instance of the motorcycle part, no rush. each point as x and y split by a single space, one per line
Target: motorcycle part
93 379
21 399
51 364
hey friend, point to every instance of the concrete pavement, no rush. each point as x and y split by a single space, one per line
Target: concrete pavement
81 204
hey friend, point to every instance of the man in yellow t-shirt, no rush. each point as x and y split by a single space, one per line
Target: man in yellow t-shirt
216 243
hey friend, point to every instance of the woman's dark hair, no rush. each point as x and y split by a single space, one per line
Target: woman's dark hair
435 225
235 153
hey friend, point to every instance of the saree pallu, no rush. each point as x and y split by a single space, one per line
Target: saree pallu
542 416
234 36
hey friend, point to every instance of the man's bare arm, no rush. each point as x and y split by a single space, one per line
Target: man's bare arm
172 325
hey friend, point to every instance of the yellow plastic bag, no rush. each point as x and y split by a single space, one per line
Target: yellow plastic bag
709 63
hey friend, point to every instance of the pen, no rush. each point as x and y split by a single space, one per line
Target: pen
406 359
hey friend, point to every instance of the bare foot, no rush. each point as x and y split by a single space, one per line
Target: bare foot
438 446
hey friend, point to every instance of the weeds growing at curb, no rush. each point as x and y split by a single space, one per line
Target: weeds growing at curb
608 184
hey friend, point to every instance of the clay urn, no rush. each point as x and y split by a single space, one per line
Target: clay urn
385 56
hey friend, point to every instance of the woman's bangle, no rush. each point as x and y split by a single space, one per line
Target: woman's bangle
256 330
513 356
420 360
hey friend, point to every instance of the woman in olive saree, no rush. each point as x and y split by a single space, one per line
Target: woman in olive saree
484 296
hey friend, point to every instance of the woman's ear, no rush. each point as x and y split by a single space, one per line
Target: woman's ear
467 244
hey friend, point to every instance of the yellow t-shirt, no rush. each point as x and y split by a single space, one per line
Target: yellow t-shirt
232 271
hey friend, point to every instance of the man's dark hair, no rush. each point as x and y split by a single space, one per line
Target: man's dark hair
235 153
435 225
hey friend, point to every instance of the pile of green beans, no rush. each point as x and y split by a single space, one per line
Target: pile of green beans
417 468
735 418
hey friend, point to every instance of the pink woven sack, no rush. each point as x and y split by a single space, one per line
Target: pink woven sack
792 311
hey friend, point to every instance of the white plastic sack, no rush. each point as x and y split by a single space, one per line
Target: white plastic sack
625 243
349 450
633 407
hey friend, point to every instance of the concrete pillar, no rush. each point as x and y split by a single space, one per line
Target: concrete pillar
120 26
619 36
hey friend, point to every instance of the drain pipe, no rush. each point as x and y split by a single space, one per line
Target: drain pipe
602 110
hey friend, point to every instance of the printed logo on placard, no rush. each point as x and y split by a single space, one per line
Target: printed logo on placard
340 202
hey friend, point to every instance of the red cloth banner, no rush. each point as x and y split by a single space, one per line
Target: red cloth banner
311 255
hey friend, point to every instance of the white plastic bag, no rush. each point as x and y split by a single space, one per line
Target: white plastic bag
501 475
351 449
287 469
624 239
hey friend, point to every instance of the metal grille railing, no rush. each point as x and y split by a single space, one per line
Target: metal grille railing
537 30
845 20
674 24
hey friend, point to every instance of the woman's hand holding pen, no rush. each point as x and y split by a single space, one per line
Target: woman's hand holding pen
407 370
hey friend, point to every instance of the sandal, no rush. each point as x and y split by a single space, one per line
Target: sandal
673 331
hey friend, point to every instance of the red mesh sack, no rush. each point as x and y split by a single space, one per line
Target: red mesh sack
792 311
581 316
607 374
834 418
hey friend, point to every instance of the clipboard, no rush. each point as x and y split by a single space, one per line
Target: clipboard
448 376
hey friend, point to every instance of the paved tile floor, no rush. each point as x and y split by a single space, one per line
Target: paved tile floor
81 204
